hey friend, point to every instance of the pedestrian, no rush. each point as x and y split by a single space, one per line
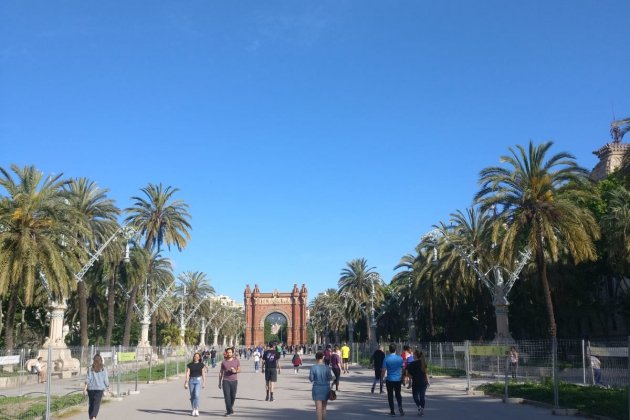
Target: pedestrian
195 381
407 356
345 356
596 365
393 367
271 369
320 376
297 362
256 356
96 383
228 379
335 364
327 354
513 361
39 369
417 370
213 357
377 363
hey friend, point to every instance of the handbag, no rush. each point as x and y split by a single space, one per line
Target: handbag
332 395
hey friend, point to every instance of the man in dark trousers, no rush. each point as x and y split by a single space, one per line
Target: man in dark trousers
377 362
393 365
271 369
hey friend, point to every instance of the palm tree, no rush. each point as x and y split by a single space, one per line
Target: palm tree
615 225
97 215
533 209
136 272
358 281
35 239
194 288
159 218
160 277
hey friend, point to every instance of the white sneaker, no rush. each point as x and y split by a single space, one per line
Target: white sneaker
196 412
192 414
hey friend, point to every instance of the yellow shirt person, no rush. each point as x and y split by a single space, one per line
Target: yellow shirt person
345 355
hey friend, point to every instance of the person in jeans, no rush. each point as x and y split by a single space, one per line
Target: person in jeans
95 385
195 380
228 379
393 368
417 370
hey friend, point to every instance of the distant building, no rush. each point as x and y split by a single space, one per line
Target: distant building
227 301
611 154
610 157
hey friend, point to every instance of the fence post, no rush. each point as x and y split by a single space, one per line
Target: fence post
583 364
441 356
165 362
554 370
467 363
150 377
49 368
628 375
137 369
507 365
431 357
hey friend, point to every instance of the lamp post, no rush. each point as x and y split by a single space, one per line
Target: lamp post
373 277
498 287
410 320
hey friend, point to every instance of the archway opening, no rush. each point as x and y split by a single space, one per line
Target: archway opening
276 328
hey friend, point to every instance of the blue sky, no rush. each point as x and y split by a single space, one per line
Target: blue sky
304 134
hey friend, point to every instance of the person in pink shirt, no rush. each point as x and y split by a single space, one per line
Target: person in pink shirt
228 379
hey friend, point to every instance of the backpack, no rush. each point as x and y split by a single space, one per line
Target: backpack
296 360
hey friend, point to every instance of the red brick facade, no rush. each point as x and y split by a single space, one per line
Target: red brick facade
260 305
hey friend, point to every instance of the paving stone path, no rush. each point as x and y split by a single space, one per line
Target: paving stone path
446 399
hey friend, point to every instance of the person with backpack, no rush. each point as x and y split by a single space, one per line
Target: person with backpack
297 362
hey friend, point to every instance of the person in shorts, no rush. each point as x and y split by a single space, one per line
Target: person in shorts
271 369
345 357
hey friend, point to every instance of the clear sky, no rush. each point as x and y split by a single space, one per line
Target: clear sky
304 134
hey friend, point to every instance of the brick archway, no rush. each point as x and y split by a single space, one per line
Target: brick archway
258 306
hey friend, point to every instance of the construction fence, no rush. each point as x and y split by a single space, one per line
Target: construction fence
46 390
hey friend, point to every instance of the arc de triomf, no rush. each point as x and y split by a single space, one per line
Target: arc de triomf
258 306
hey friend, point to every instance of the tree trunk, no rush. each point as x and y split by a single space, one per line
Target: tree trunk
542 271
154 330
111 306
10 321
130 316
83 313
431 320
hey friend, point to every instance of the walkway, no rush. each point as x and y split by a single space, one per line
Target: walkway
446 399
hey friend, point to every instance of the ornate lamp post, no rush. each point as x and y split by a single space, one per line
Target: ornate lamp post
499 288
410 320
373 277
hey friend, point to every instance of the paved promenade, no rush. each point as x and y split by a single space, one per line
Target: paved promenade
446 399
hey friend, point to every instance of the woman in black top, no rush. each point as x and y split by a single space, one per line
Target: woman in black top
195 380
417 370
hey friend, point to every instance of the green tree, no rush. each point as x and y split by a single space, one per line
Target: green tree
161 220
36 239
532 198
358 280
97 215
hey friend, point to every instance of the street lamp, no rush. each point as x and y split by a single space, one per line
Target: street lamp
410 321
372 277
